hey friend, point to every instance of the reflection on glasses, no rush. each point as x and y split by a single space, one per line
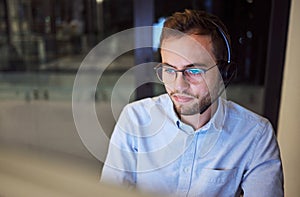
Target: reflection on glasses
192 74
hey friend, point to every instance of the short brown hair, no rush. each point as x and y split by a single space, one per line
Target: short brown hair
199 23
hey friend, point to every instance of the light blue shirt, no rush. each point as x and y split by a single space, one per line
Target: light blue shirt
152 150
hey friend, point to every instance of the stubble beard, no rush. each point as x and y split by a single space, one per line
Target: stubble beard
194 107
199 102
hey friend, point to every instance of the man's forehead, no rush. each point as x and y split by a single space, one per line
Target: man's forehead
189 47
192 41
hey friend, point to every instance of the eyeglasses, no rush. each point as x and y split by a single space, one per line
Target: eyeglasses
167 74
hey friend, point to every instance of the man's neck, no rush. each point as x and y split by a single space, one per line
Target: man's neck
199 120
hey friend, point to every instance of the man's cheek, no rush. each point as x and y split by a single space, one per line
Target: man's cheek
169 89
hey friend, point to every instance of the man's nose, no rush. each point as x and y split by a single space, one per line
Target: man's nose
180 82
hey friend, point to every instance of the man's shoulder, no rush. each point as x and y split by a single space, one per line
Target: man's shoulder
146 111
240 113
146 103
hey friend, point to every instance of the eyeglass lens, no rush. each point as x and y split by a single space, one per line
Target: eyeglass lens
167 74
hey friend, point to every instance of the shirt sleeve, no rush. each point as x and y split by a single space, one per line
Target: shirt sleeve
264 177
120 164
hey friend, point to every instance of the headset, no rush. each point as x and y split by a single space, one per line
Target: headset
228 69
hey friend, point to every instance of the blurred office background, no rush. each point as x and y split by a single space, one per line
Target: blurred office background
43 43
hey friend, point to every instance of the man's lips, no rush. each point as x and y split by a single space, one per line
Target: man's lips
182 98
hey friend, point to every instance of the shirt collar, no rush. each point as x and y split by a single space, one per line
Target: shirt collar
218 119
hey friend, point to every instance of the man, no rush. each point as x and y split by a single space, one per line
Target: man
190 141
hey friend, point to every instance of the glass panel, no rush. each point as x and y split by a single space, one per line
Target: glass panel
43 44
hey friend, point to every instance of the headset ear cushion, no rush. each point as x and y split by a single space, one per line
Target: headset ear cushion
228 71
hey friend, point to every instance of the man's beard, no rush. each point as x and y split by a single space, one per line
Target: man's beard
194 107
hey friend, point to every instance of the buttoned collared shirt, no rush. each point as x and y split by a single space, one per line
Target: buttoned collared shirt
235 152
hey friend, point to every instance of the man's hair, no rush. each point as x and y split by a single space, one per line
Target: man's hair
198 22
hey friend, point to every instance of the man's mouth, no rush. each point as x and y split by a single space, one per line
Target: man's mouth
180 98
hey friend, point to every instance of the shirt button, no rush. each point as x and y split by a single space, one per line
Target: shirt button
186 170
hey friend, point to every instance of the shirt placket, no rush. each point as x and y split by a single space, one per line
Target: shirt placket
186 167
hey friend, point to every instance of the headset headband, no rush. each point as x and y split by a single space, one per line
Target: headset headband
225 40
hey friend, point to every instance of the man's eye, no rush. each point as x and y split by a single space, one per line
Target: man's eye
169 70
194 71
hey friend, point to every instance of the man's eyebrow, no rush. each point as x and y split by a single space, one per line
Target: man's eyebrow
196 65
164 63
189 65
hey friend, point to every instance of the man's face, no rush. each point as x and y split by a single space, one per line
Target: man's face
180 53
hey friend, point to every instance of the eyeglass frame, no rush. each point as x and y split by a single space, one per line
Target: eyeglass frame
188 67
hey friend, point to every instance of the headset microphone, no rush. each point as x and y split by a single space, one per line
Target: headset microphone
204 108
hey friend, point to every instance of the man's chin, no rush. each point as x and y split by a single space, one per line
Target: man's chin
186 111
190 110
